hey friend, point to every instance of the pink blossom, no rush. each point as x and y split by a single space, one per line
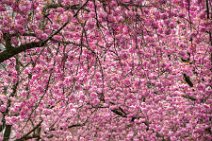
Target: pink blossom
2 8
57 37
3 108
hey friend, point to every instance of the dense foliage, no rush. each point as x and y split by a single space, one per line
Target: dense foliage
105 70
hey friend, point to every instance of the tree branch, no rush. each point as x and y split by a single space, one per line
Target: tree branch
13 51
27 134
8 53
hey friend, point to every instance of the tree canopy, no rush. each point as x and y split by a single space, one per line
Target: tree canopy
105 70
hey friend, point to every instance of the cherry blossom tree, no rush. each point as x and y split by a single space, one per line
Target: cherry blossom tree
105 70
